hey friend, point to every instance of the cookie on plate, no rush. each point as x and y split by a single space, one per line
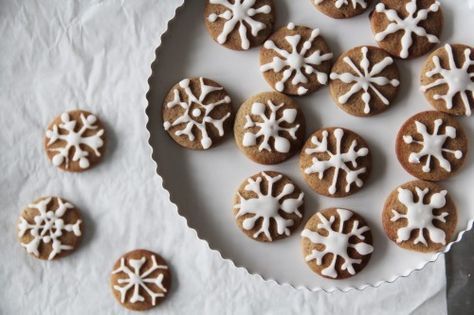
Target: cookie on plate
407 28
341 9
419 216
239 24
268 206
364 81
269 128
197 113
337 243
432 146
447 79
296 60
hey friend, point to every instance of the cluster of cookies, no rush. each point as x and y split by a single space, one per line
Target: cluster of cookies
269 127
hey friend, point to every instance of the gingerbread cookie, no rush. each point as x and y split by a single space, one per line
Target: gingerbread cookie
407 28
432 146
296 60
196 113
268 206
269 128
341 9
447 79
140 280
239 24
419 216
335 162
337 243
49 228
364 81
75 141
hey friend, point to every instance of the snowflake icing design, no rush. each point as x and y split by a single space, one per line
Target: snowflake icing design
266 206
337 160
137 279
419 216
458 80
74 140
190 117
240 12
270 127
341 3
337 243
296 61
365 79
409 25
48 227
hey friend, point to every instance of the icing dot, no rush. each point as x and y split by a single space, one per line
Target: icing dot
65 117
196 112
166 125
91 119
291 26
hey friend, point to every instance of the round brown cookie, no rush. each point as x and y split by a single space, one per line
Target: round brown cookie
75 141
419 216
196 113
49 228
364 81
239 24
432 145
447 79
341 9
269 128
335 162
140 280
407 28
268 206
296 60
337 243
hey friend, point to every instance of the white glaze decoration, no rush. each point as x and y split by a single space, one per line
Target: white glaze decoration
342 3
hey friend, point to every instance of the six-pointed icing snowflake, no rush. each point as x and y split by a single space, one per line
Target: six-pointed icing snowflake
295 62
419 216
240 12
196 113
72 139
337 243
340 3
365 79
337 160
409 24
433 145
270 127
48 227
137 279
266 206
458 80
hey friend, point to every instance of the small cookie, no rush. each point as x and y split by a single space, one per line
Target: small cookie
407 28
335 162
364 81
419 216
140 280
269 128
447 79
75 141
239 24
431 146
268 206
341 9
337 243
296 60
196 113
49 228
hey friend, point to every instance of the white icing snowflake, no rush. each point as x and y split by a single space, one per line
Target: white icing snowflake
65 131
48 227
458 80
270 127
267 207
240 12
365 79
137 279
337 243
340 3
419 216
337 160
191 117
295 62
409 24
